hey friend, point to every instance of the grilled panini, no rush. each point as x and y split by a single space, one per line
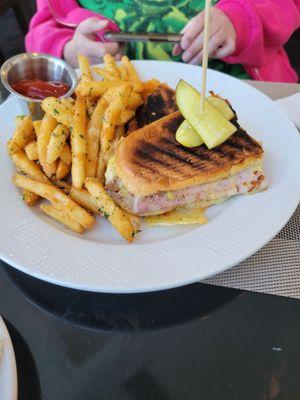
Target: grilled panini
152 173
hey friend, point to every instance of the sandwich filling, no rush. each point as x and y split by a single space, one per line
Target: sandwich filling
245 181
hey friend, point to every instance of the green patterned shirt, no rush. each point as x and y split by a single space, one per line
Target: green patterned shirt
156 16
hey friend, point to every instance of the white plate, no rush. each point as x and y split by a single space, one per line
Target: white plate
8 370
165 257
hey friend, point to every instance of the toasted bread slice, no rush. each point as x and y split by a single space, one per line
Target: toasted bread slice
150 160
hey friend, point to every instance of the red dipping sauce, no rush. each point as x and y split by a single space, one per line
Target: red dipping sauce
39 90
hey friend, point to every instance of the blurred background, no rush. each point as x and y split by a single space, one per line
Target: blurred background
15 17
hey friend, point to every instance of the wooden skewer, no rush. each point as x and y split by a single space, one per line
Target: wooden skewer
205 52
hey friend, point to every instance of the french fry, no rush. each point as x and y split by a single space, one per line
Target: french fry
84 199
122 72
86 76
37 126
110 210
179 216
58 110
91 105
78 143
80 196
67 103
110 66
93 137
105 156
33 170
57 197
130 70
62 217
101 166
124 117
56 143
96 89
135 100
110 95
23 134
119 132
19 119
65 186
62 170
112 113
137 86
29 167
135 220
31 150
32 107
106 75
84 65
44 132
30 198
66 155
71 100
149 87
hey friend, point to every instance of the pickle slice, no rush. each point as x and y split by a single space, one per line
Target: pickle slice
187 136
213 128
221 105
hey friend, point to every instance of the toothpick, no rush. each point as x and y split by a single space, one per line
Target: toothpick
205 52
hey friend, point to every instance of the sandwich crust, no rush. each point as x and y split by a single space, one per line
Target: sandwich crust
150 160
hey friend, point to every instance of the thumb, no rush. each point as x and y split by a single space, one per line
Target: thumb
91 25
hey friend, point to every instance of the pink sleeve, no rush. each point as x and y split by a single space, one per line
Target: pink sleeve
262 28
45 35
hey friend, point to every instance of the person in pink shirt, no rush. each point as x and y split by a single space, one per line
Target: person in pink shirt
247 36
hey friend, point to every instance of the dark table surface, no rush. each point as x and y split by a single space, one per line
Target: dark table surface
195 342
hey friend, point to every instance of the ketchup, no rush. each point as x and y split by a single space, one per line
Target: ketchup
38 89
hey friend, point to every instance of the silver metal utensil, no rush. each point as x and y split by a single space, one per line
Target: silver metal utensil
142 37
36 66
3 93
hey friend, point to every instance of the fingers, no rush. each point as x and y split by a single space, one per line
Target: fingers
177 50
111 48
225 50
91 25
195 48
214 44
192 30
118 57
197 59
97 50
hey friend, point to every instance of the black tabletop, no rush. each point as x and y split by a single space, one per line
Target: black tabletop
195 342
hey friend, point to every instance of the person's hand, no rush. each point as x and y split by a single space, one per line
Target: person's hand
84 42
221 43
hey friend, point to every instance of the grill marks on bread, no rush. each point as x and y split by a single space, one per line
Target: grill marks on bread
158 153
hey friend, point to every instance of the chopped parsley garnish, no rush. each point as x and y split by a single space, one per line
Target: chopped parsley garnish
106 215
55 111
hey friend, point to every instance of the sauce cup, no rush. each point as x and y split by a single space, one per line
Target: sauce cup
36 66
